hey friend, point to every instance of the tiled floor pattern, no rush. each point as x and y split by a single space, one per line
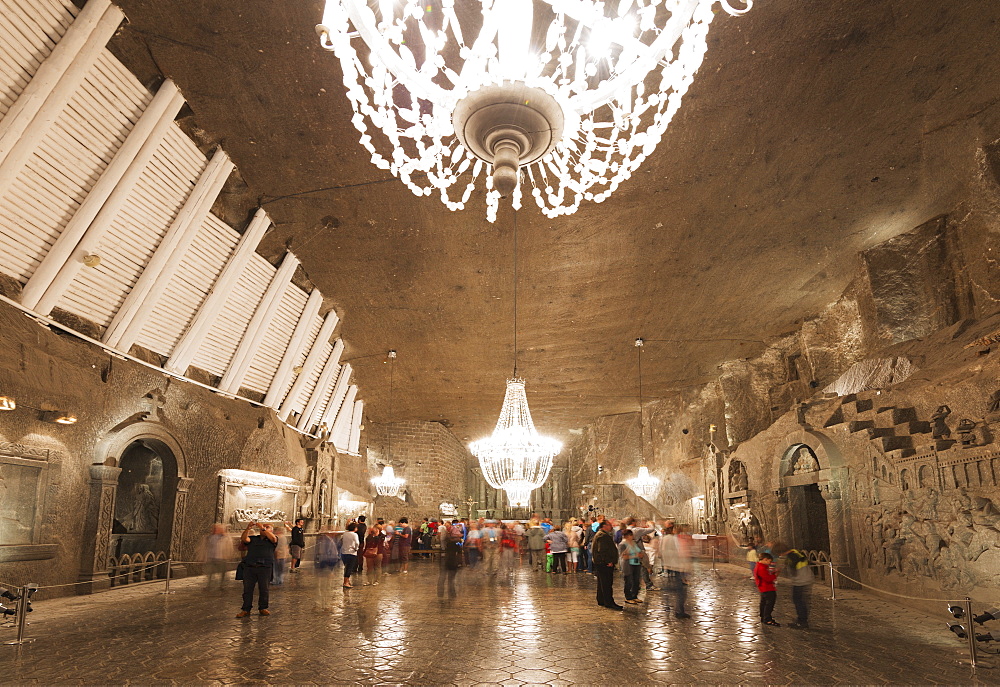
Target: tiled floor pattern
531 628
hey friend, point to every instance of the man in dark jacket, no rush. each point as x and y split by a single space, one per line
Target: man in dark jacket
605 556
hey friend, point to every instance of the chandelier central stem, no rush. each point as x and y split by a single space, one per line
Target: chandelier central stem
515 294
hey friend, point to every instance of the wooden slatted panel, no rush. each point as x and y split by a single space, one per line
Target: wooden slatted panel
325 401
126 248
272 349
67 164
200 267
29 30
314 327
229 327
313 378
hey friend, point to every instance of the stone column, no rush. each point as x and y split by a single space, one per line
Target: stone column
177 528
96 540
837 524
783 514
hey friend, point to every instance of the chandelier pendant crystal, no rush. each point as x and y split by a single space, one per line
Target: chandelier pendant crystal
515 458
387 484
570 96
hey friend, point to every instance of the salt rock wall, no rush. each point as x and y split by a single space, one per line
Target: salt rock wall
434 463
43 369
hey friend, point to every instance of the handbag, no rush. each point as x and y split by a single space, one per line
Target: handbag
240 567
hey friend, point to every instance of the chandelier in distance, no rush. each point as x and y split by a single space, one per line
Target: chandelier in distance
569 96
387 484
643 484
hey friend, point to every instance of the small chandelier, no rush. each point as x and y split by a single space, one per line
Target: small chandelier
455 91
388 484
515 458
643 484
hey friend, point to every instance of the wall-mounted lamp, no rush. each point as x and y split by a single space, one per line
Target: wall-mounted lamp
58 416
7 403
91 260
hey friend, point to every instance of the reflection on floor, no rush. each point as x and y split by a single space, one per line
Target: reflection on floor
532 628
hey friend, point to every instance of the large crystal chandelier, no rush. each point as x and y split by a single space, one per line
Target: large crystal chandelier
576 93
643 484
515 458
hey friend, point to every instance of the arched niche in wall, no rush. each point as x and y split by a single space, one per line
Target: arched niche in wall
811 478
139 485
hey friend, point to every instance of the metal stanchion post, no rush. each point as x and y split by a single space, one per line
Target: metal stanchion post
713 555
166 587
971 632
22 616
833 587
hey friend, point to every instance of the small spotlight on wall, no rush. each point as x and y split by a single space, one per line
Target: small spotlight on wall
956 611
58 416
958 630
7 403
91 260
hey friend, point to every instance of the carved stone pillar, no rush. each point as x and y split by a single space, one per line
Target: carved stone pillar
783 515
836 523
177 529
96 540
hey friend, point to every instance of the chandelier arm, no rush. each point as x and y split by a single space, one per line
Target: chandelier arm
588 101
416 83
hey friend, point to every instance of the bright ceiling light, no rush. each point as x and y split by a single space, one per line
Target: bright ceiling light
515 458
387 484
449 94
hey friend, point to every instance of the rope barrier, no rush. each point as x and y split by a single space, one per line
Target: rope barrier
901 596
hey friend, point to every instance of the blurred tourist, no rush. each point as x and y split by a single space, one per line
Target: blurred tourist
258 565
216 552
349 546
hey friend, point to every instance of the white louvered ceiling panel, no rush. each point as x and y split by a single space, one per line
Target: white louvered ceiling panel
200 266
130 241
272 349
29 30
66 165
325 401
311 335
229 327
313 378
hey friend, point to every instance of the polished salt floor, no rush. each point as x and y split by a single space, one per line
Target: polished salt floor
531 628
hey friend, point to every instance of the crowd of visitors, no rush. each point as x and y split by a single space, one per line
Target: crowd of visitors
640 551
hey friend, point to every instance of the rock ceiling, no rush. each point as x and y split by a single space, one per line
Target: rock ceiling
813 130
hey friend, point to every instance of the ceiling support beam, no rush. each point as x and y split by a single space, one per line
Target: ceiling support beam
187 348
296 347
57 79
337 399
98 210
309 366
341 433
135 311
319 392
355 442
259 324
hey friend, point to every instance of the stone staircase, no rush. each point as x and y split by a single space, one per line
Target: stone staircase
896 431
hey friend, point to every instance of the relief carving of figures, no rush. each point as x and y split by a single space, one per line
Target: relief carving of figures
967 432
738 480
928 535
993 406
805 461
940 430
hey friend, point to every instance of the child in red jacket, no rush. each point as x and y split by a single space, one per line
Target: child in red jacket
764 576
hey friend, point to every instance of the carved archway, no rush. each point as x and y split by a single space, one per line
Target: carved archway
811 468
126 439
